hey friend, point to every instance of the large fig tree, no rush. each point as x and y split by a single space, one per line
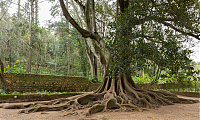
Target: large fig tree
137 22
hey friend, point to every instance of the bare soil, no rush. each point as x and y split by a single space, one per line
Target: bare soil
170 112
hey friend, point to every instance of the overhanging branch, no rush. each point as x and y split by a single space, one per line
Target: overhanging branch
181 31
149 18
76 11
80 5
84 32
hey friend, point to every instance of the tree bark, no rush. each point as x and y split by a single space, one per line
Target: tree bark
10 52
68 46
95 69
142 72
55 58
2 78
28 67
93 62
18 33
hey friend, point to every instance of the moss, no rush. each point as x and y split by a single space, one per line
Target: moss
34 97
6 97
31 105
33 110
96 108
24 82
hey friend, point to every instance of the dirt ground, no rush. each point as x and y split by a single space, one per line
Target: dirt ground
171 112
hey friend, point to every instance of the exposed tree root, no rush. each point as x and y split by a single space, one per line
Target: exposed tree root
120 95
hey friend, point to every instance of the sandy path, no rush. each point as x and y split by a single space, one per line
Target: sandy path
171 112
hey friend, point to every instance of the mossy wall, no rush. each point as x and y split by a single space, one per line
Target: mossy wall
184 86
32 82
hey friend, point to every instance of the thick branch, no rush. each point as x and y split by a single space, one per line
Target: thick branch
76 11
80 5
163 21
87 15
153 1
84 32
93 17
149 18
181 31
123 4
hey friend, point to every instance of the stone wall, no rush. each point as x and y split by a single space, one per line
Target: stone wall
32 82
183 86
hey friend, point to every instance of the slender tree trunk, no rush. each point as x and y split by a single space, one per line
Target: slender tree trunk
154 69
2 78
157 75
9 52
95 31
95 69
19 1
28 67
68 45
55 57
18 33
142 72
36 12
68 60
91 57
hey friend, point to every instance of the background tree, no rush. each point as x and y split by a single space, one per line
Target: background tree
28 68
15 35
3 80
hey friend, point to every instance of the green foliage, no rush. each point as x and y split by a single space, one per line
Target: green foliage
135 41
3 92
83 61
15 93
83 91
43 92
146 79
49 45
91 80
36 92
16 68
100 78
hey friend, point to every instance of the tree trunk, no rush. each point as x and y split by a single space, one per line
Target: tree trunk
157 75
55 57
2 78
68 60
95 69
92 64
28 67
36 12
68 47
10 52
142 72
18 33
